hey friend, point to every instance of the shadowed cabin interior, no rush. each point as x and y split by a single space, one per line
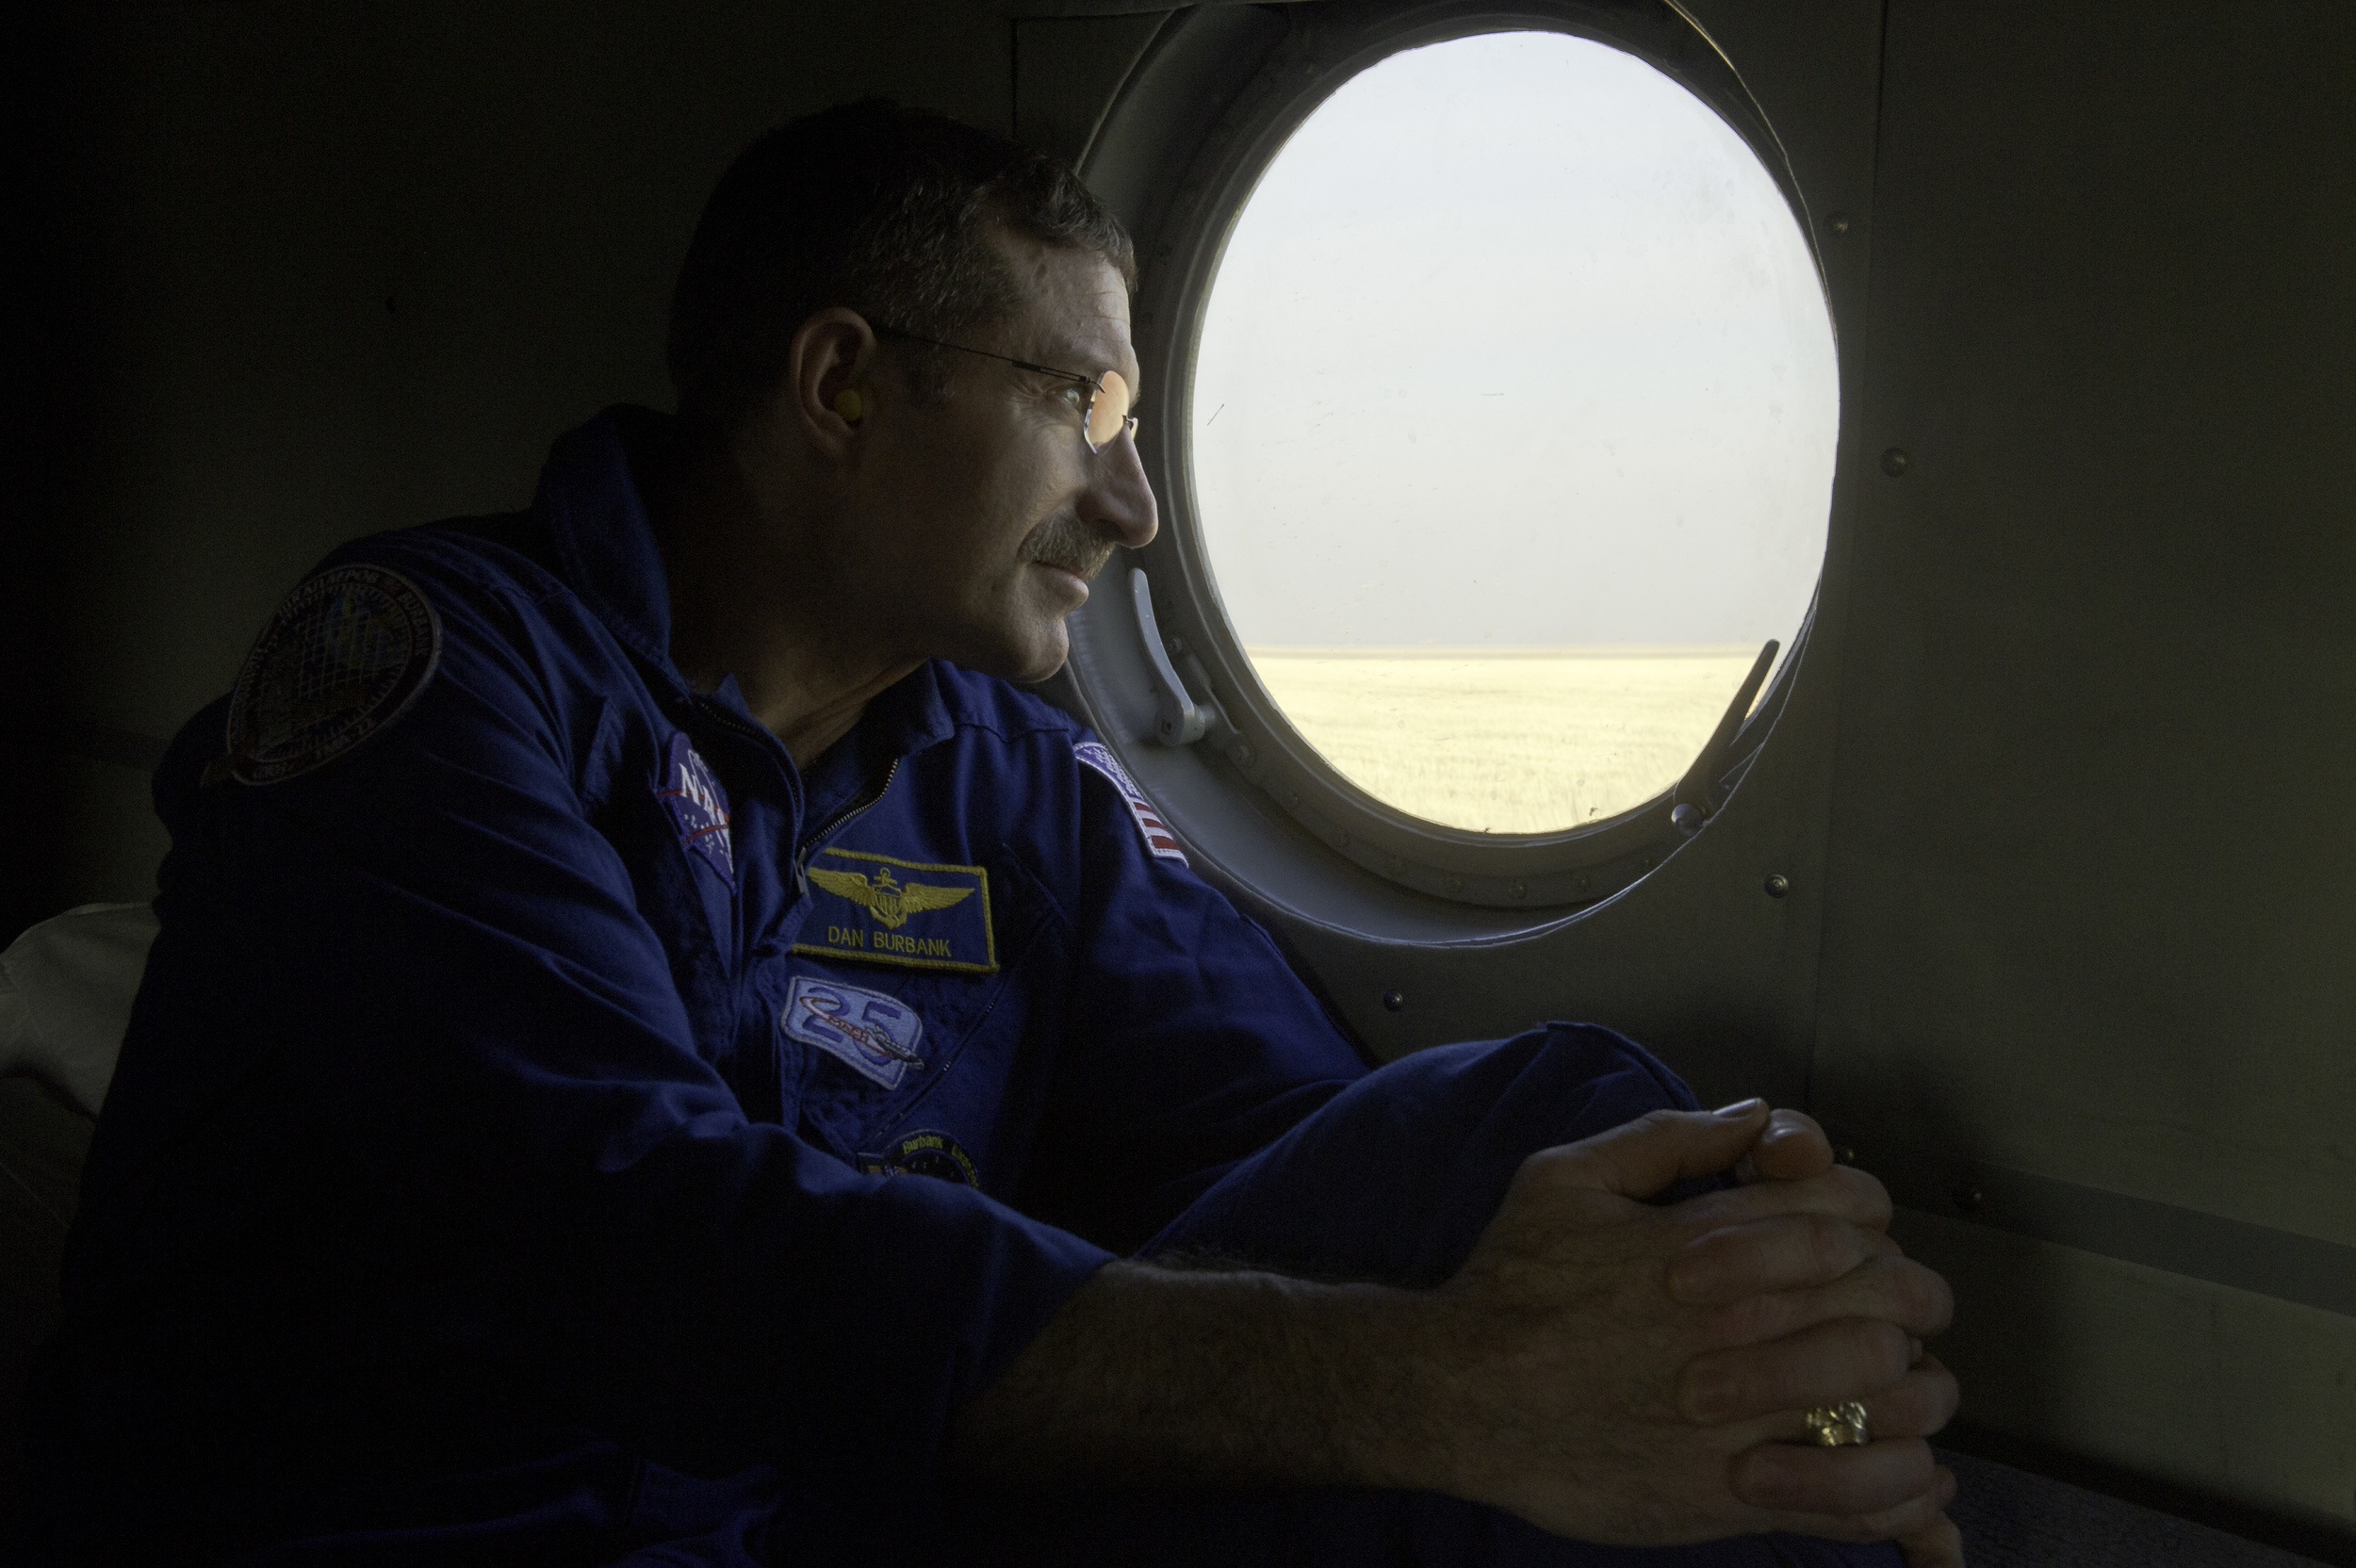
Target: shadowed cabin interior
2034 888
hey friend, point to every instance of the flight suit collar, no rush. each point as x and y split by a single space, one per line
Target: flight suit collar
604 541
605 544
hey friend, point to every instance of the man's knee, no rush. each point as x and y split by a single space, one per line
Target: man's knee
1396 1177
1560 1082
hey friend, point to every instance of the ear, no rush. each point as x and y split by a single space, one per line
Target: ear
829 390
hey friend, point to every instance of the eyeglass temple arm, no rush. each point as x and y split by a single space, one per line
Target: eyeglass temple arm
1096 382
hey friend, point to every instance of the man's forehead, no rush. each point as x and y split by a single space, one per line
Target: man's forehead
1075 304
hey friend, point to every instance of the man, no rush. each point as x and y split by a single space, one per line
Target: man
650 1056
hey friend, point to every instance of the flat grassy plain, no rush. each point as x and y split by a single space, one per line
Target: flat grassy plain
1507 739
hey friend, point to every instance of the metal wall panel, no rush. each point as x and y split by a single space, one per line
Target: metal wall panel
2220 1391
2088 916
1067 71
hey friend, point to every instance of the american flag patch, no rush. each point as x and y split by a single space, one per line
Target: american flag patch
1158 837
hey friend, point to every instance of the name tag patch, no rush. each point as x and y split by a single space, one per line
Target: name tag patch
912 913
1158 838
874 1035
698 806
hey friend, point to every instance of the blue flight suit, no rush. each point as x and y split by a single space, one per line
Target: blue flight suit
555 1127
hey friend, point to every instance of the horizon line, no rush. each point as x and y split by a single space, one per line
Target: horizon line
1504 650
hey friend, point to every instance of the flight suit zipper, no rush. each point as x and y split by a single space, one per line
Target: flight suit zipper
801 856
762 741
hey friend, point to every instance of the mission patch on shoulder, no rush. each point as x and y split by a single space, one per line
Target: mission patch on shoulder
926 1153
912 913
347 654
1158 838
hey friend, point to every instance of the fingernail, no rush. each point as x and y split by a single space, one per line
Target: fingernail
1740 1108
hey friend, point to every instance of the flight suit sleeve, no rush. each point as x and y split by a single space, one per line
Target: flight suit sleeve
1190 1043
430 948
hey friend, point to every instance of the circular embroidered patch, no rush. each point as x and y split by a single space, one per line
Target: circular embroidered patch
344 657
926 1153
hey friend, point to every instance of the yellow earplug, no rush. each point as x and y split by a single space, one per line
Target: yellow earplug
847 404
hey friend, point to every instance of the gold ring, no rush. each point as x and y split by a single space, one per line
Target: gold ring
1837 1425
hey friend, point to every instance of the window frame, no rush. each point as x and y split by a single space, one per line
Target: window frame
1180 154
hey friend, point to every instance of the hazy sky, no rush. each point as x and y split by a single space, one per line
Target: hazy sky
1515 343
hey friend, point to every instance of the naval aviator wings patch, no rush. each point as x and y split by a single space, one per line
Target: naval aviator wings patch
1156 833
913 914
347 654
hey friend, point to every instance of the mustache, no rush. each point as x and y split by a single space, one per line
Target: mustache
1064 540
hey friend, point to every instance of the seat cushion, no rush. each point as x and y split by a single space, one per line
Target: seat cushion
66 987
65 997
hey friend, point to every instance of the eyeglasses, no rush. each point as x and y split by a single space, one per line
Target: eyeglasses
1105 400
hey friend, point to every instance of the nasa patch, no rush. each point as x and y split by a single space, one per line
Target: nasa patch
698 806
926 1153
347 654
874 1035
1158 835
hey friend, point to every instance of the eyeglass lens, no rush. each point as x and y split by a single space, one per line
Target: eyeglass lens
1108 411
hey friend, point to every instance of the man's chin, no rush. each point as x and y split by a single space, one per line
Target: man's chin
1037 679
1028 660
1050 658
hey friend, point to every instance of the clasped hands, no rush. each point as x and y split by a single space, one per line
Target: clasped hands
1611 1369
1620 1371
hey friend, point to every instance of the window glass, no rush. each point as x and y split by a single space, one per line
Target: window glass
1513 419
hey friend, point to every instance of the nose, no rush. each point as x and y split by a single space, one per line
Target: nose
1118 500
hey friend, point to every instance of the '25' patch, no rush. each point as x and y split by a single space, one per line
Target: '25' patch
874 1035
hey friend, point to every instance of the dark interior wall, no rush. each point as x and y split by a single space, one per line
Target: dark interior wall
2087 931
2092 754
309 271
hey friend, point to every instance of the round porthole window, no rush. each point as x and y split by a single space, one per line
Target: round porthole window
1511 422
